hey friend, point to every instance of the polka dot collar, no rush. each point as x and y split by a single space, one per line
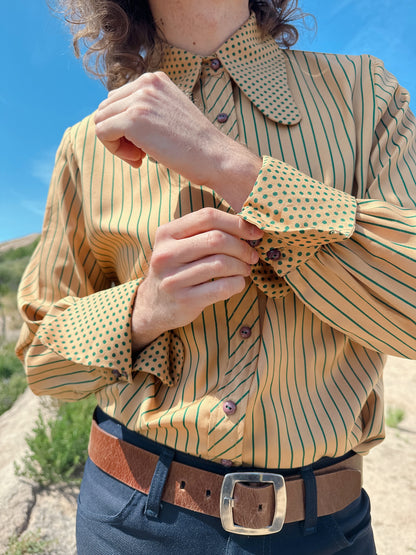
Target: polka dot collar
255 63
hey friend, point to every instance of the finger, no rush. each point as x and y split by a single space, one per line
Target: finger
205 270
129 152
108 109
172 255
149 78
112 128
208 219
114 134
215 242
216 291
118 94
126 150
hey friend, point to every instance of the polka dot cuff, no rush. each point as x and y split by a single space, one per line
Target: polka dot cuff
299 215
266 280
94 331
163 358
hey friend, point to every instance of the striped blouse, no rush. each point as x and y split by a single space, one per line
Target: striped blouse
290 370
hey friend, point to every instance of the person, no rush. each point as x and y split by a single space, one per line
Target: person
228 256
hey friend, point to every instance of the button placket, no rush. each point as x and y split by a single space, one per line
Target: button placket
226 426
217 97
237 379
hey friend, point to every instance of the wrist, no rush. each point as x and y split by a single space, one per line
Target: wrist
238 170
144 329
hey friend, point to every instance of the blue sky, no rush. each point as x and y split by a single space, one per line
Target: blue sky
43 89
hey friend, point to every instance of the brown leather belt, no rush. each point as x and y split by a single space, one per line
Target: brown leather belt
253 505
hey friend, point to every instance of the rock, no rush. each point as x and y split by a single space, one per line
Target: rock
54 515
23 506
17 503
17 497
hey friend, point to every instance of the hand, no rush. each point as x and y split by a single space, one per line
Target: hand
198 260
151 115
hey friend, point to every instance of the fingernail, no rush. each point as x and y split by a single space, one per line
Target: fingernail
256 232
254 257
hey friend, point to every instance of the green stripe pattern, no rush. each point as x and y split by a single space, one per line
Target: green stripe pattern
336 195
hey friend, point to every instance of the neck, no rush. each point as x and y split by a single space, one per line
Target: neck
198 26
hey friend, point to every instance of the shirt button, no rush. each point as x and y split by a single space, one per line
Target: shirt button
254 242
215 64
245 332
222 117
229 408
273 254
227 463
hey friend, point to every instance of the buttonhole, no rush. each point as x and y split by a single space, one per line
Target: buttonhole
182 486
208 493
260 508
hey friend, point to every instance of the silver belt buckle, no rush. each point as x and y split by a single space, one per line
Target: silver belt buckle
227 502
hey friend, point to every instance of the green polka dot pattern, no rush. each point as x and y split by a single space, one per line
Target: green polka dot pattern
265 279
258 68
182 67
95 330
163 358
298 214
253 62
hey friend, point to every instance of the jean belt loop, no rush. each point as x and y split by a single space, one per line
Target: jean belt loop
311 501
160 475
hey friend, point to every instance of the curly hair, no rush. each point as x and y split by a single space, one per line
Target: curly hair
119 36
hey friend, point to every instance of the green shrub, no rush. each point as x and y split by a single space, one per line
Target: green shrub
10 390
394 417
11 272
12 264
12 377
9 363
19 252
58 447
30 542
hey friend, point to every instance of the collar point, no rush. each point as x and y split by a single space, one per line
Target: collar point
285 116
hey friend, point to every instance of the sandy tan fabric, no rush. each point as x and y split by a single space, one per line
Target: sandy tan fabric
336 198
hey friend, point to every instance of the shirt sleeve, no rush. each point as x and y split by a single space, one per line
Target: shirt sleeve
76 336
351 261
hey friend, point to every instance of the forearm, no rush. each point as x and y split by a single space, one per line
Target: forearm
152 116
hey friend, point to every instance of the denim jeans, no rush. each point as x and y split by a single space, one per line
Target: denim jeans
115 519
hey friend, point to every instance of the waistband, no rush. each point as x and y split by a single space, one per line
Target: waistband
248 501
